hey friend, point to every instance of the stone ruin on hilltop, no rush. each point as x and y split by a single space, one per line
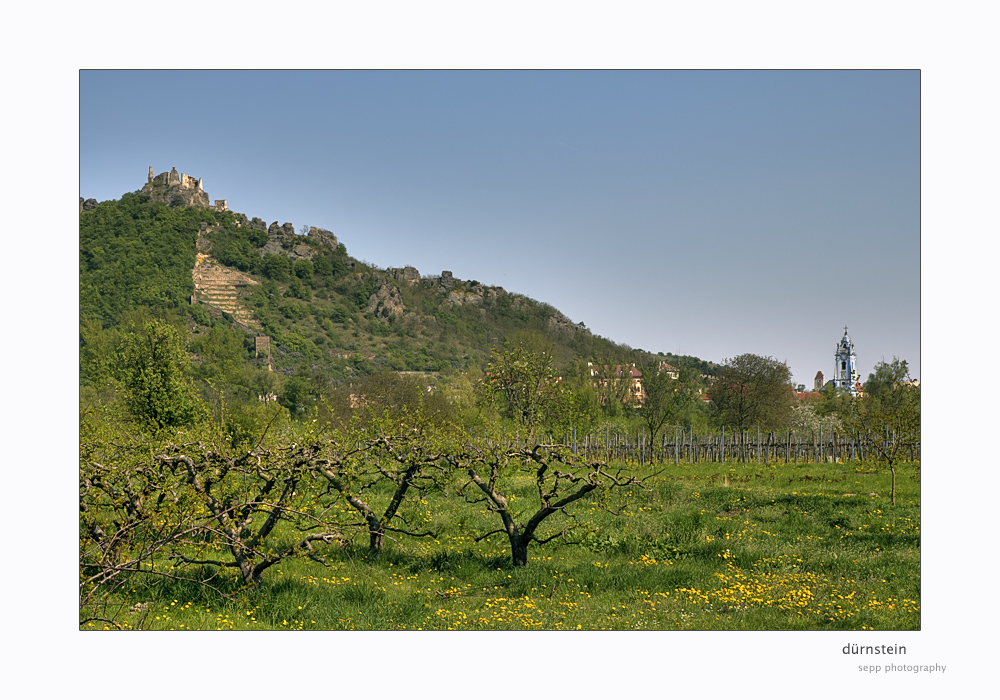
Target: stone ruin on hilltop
179 190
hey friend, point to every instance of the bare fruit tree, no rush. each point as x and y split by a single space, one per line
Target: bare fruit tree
407 453
192 512
560 482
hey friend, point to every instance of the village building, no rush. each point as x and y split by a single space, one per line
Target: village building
636 394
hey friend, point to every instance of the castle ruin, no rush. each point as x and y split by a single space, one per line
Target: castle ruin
172 178
179 190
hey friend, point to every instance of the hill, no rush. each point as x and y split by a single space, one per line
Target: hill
266 296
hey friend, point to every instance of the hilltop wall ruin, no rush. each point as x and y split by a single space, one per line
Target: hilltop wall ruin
179 190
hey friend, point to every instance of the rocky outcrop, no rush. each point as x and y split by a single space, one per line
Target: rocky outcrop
87 205
444 283
560 324
407 274
243 222
457 297
283 232
282 240
386 302
323 237
471 294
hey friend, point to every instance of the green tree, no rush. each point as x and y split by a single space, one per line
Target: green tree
339 314
585 403
221 353
667 398
277 267
886 416
387 393
304 270
295 396
521 382
751 390
614 383
98 346
890 382
323 267
152 367
238 253
299 290
834 403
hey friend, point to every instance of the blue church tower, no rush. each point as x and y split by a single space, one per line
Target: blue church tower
845 375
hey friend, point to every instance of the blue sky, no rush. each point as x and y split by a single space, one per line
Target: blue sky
708 213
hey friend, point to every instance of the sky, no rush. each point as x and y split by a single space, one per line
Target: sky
697 212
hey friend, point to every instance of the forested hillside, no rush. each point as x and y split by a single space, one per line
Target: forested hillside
332 321
136 254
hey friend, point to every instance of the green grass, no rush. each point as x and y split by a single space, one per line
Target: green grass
737 547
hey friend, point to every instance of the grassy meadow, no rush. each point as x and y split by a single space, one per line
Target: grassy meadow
706 547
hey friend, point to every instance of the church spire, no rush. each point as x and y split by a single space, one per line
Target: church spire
845 375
